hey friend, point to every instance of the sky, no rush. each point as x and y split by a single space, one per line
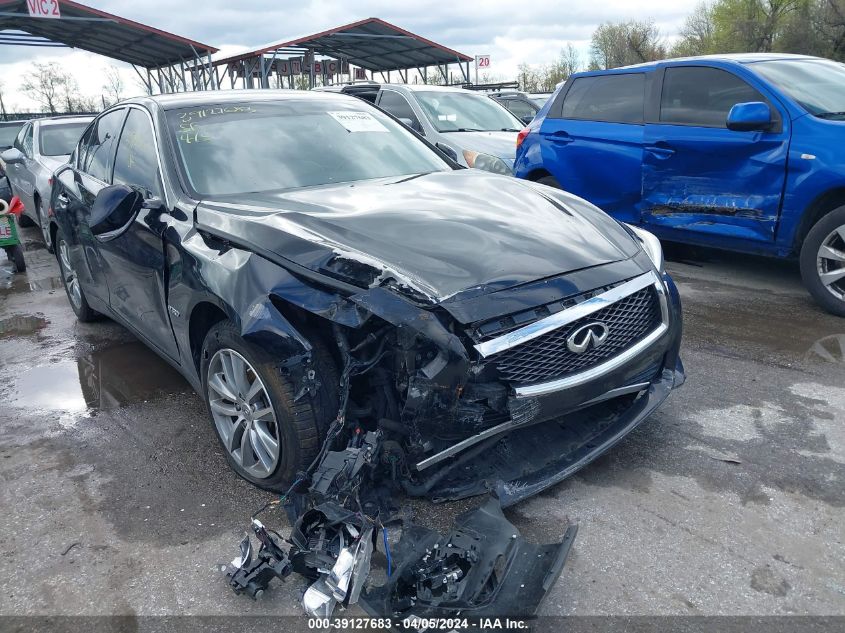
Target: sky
510 32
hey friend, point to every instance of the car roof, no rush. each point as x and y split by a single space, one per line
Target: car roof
431 88
59 120
733 58
215 97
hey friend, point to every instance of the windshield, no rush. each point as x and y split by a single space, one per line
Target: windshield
292 143
59 140
8 133
466 112
817 84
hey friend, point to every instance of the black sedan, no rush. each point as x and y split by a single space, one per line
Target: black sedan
321 274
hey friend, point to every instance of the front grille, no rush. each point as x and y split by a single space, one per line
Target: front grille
547 357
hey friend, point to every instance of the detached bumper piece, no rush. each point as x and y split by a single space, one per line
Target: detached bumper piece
483 567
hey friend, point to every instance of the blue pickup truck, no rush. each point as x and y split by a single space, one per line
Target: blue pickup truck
741 152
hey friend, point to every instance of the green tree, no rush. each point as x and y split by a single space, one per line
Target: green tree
751 25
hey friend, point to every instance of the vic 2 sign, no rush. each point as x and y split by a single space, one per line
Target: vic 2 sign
43 8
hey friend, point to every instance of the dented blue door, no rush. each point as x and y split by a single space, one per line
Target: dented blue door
700 177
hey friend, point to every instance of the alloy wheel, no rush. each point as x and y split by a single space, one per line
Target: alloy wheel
830 262
69 276
243 413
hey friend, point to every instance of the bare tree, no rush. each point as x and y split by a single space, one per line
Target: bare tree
625 43
113 85
697 33
45 85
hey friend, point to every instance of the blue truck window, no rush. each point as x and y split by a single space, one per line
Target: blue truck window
702 96
611 98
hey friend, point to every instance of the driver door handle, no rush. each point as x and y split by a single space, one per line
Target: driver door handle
660 150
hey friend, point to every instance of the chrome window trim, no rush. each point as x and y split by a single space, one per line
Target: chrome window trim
579 311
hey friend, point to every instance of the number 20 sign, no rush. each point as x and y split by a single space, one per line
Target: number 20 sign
43 8
483 61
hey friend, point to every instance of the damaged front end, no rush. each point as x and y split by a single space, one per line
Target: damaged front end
470 396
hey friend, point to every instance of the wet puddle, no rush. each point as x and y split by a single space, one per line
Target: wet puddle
104 379
22 325
17 283
828 349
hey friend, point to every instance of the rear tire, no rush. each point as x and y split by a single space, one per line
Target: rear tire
44 223
297 426
823 261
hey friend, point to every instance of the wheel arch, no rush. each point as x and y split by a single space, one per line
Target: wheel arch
535 174
204 316
821 205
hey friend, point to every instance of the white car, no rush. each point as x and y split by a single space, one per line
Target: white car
469 127
41 146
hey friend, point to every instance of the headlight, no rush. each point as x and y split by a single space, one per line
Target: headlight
487 162
651 245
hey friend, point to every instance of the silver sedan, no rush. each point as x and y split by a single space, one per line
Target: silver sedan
41 146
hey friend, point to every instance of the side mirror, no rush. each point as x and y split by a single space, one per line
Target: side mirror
753 116
526 119
12 156
113 208
448 151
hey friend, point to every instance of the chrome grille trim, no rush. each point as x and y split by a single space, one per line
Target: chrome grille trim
579 311
539 389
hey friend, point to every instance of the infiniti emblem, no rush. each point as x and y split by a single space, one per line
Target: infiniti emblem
587 336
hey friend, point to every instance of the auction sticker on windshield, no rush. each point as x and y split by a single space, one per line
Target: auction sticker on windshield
358 121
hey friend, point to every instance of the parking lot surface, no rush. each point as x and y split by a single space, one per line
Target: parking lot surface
117 498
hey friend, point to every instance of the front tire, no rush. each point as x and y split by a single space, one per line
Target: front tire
70 280
823 261
15 255
268 437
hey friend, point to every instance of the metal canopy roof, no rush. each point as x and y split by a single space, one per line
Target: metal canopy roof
372 44
98 32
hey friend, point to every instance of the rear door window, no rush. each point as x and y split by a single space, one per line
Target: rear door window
611 98
519 107
398 106
702 96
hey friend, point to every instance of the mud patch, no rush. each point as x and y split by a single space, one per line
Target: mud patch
22 325
765 580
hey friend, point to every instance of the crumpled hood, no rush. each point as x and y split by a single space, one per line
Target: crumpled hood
500 144
432 236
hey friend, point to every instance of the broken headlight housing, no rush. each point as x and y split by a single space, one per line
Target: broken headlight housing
487 162
651 245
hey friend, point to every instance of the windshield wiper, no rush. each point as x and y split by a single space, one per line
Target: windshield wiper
829 115
508 129
464 129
